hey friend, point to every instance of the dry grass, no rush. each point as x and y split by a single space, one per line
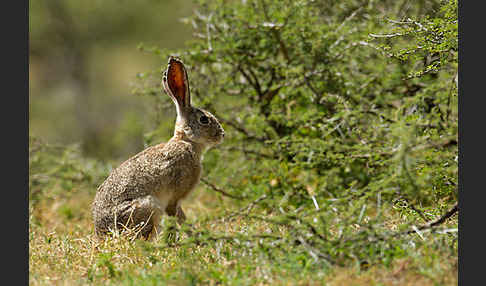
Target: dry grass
64 251
404 272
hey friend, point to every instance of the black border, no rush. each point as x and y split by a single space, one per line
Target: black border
15 141
471 144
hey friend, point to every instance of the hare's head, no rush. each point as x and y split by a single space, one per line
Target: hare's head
195 124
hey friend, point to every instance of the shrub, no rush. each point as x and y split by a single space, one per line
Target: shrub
341 120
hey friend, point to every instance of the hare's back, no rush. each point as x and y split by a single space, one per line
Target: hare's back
168 171
132 179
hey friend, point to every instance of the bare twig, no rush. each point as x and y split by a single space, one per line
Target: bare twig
235 126
414 229
243 211
246 210
349 18
386 35
258 87
448 112
419 212
216 189
409 22
438 221
240 129
247 151
314 252
252 80
276 34
198 240
308 225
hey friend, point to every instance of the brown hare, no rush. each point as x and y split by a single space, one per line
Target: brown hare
154 181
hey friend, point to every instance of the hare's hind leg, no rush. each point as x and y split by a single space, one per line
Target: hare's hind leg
174 209
141 214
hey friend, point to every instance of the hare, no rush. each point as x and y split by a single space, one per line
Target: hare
154 181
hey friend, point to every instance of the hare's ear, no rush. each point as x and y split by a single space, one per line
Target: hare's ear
176 84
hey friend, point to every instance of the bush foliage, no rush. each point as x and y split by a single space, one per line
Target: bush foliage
342 131
337 113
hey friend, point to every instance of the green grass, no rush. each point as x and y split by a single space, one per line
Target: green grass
64 251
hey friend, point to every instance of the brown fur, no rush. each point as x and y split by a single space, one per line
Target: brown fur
154 181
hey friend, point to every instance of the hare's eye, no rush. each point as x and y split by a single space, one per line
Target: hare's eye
204 119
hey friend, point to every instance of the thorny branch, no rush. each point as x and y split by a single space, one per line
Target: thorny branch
252 152
241 130
301 236
436 222
216 189
414 229
276 34
237 127
252 80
